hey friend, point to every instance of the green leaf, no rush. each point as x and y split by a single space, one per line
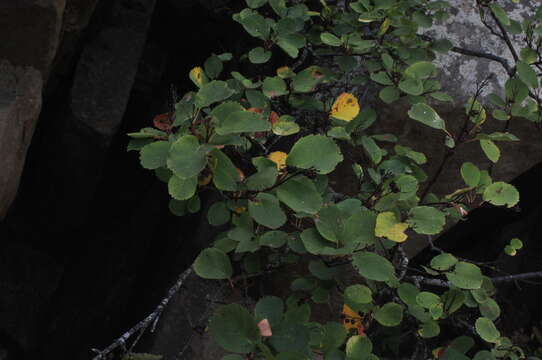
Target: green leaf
441 96
218 214
212 263
243 122
429 329
213 67
177 207
501 193
315 151
182 189
527 74
154 155
443 262
266 175
265 210
465 276
274 86
407 293
491 150
213 92
334 336
270 308
300 194
516 243
306 80
391 314
330 39
381 78
253 23
233 328
490 309
427 299
358 347
291 336
225 175
421 70
411 86
471 174
187 158
426 220
285 126
273 239
389 94
372 149
487 330
259 55
426 115
373 266
499 13
291 43
356 296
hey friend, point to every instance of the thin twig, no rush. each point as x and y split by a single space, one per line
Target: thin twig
145 323
517 277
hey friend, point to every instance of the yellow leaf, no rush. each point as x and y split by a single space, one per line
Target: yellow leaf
345 108
285 72
197 76
388 226
384 26
279 158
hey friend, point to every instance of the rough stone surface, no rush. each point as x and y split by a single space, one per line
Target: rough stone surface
460 74
20 104
107 69
31 29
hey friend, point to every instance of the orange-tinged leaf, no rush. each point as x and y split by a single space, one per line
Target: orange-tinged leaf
279 158
241 174
346 107
284 72
204 180
352 320
163 121
265 328
255 110
240 209
273 118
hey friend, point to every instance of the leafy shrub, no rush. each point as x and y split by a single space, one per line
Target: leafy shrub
268 144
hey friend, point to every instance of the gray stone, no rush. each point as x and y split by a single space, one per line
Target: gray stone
107 68
460 74
20 104
30 34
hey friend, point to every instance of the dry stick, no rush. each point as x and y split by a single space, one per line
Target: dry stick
152 318
499 279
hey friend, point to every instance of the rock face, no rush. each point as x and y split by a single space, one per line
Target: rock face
465 29
20 104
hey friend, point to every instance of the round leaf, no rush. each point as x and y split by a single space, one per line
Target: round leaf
501 193
315 151
265 210
487 330
391 314
466 276
426 220
373 266
154 155
259 55
187 157
356 296
212 263
218 214
234 329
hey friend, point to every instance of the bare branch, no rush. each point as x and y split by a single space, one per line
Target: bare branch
517 277
152 318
